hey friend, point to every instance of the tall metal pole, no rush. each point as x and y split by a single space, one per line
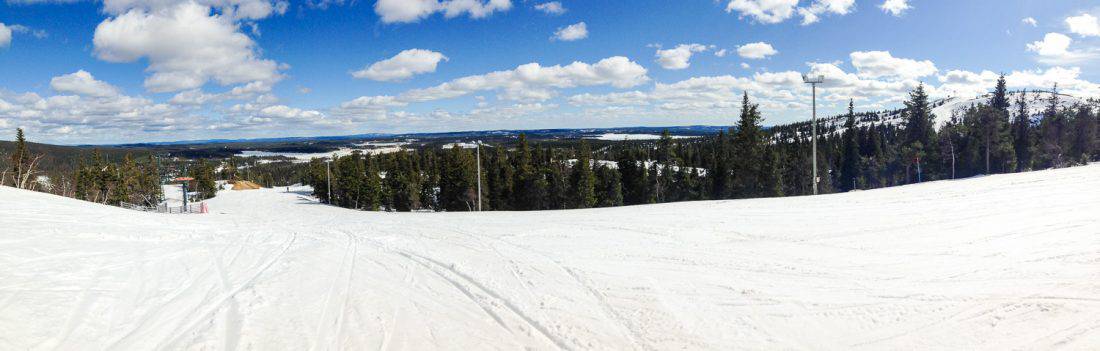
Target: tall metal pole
813 81
328 174
814 136
479 175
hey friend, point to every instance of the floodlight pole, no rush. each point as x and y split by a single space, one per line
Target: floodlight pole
813 82
479 175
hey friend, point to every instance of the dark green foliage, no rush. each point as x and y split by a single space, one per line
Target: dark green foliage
582 182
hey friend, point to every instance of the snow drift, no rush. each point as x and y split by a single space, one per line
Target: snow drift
999 262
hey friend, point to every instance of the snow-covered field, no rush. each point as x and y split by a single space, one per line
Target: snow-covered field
999 262
622 137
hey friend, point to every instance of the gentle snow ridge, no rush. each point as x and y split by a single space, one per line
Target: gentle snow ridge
998 262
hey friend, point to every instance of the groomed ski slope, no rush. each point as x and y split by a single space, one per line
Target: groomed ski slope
999 262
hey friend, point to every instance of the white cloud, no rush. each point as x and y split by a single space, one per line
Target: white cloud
678 57
1053 44
776 11
763 11
287 112
82 83
533 81
572 32
756 51
551 8
186 47
895 7
881 64
811 14
1054 49
1031 21
5 36
625 98
78 118
745 65
968 84
529 82
408 11
721 53
402 66
1085 25
21 29
234 9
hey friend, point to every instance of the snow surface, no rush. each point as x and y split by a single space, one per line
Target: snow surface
301 157
622 137
997 262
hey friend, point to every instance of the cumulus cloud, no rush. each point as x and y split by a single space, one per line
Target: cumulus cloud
756 51
572 32
1085 25
881 64
551 8
408 11
811 14
533 81
81 118
5 36
763 11
186 46
82 83
402 66
530 82
234 9
895 7
1030 21
1054 49
678 57
776 11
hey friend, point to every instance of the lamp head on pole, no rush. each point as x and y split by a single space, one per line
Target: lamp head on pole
810 79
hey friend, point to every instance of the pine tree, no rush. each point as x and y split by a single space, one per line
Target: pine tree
457 182
582 181
919 128
1022 143
609 189
19 160
1052 130
1084 135
754 167
849 171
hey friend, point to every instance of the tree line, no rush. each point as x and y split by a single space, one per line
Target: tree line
747 161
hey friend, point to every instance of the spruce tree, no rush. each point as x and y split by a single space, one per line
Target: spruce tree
849 171
919 128
19 159
582 181
1084 135
609 189
754 166
1021 131
1052 130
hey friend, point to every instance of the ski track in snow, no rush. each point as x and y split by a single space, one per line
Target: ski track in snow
997 262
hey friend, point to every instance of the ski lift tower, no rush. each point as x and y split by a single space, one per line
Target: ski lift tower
184 181
813 81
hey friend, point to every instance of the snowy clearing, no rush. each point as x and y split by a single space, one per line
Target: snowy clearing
623 137
998 262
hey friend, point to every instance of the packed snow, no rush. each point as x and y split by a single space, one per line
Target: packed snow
997 262
623 137
300 157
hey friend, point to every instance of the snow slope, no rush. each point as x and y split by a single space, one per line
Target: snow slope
998 262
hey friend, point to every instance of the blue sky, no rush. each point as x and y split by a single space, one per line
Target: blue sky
117 71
